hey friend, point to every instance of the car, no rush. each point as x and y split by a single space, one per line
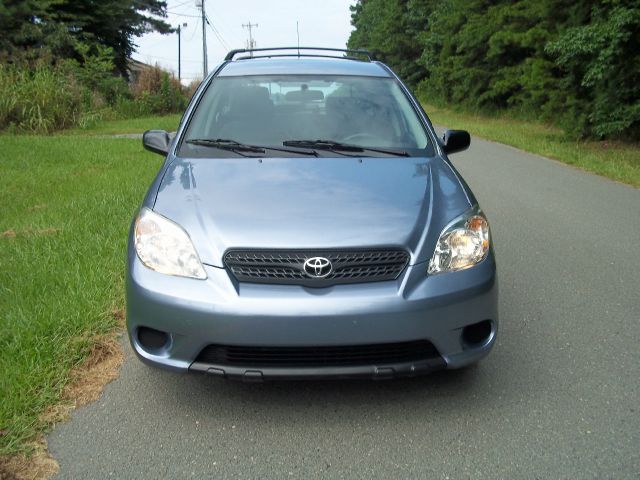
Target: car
307 223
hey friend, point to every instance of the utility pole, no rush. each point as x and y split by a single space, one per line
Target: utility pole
180 27
251 44
200 3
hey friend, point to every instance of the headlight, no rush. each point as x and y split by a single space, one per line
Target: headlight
462 244
165 247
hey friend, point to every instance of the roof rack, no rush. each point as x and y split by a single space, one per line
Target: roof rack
250 51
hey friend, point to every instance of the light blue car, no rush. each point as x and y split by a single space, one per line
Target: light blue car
307 223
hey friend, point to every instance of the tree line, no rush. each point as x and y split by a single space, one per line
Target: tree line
65 63
574 63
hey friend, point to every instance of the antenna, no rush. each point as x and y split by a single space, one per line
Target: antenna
298 34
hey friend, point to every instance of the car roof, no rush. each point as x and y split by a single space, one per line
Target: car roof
302 66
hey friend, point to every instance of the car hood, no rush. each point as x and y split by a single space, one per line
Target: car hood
311 203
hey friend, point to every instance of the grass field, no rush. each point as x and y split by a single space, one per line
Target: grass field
614 160
66 203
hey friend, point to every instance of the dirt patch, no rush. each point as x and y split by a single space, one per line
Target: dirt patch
101 367
38 465
87 381
47 231
29 232
119 314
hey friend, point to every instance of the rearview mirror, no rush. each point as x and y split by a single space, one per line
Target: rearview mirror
456 141
156 141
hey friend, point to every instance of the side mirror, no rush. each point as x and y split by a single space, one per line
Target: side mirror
456 141
156 141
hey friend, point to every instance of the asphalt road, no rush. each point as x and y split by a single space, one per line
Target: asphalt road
559 397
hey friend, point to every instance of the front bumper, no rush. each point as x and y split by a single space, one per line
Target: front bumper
218 310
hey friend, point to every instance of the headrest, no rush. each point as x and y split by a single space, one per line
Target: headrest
343 105
304 95
249 100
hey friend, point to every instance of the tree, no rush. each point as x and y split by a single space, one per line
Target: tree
39 28
490 55
388 28
26 27
601 62
576 64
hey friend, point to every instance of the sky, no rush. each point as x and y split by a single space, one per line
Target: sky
322 23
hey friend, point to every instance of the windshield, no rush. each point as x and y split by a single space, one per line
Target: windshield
277 110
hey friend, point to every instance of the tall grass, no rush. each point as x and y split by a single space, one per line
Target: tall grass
40 100
46 98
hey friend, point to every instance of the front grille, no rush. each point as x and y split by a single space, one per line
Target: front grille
376 354
287 266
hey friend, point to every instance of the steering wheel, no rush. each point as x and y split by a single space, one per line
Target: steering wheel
356 137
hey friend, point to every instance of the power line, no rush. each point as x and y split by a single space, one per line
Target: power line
221 23
165 58
183 14
193 34
182 9
218 35
182 4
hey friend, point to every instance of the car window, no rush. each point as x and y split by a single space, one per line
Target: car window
269 110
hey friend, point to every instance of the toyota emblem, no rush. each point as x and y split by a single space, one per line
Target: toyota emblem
317 267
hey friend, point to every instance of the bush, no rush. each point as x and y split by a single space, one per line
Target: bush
39 100
44 98
157 92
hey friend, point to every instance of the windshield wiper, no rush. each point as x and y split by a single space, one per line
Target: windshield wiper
232 145
225 144
339 147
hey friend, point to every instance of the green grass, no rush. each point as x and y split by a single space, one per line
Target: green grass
614 160
65 208
134 125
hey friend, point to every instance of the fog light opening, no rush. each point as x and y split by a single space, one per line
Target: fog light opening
151 339
477 334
